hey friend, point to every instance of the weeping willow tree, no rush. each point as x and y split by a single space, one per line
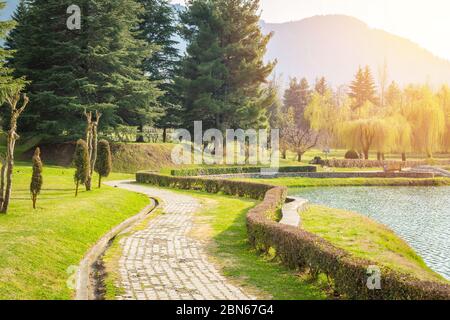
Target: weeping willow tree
426 117
444 101
323 115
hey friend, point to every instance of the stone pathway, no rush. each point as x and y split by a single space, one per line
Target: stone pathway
162 262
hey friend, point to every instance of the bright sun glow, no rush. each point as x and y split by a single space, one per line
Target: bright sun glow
424 22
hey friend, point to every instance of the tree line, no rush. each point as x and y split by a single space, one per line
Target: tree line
362 116
124 62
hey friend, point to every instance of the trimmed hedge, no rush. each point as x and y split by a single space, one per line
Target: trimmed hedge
235 170
302 250
361 163
228 187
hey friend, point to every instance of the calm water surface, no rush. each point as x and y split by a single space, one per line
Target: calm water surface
420 215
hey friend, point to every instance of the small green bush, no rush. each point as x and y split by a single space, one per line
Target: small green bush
36 177
103 165
351 154
81 162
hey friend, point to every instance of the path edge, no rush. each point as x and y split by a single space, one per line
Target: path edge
84 289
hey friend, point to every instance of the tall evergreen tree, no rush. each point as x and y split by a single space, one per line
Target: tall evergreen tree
221 76
393 94
297 97
158 26
96 67
321 86
363 88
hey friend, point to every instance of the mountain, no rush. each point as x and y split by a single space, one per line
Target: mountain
335 45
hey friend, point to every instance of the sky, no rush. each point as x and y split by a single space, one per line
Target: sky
426 22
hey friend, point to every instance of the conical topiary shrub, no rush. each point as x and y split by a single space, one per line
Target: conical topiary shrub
103 165
36 178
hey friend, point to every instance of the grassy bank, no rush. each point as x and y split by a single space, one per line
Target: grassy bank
365 238
38 246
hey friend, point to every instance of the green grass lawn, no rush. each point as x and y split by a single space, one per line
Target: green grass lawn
38 246
367 239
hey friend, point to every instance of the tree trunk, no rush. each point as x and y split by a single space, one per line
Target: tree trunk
283 154
366 154
378 156
299 157
34 200
164 135
76 189
403 156
11 142
99 181
383 157
2 183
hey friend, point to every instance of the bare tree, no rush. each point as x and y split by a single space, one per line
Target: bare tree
91 140
298 139
8 164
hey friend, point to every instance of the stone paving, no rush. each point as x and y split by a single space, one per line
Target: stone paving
162 262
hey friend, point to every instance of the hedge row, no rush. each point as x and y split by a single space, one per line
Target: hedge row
228 187
235 170
302 250
361 163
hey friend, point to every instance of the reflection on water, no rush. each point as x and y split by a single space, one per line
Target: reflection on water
420 215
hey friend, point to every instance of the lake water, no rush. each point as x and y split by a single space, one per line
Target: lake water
420 215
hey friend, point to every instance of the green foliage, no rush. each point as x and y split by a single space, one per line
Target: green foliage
81 162
297 98
97 67
351 154
36 177
9 85
221 75
103 165
158 28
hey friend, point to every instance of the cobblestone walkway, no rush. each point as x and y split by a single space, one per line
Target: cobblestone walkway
162 262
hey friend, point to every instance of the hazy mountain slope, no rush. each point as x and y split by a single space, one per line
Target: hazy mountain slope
335 45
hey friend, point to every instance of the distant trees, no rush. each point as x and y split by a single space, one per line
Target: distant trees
297 96
221 76
81 162
103 166
297 139
363 88
36 178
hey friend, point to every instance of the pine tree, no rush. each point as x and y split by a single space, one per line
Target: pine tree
103 166
36 178
97 67
321 86
297 97
363 89
158 27
221 76
393 94
81 162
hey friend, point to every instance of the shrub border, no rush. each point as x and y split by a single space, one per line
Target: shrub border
302 250
236 170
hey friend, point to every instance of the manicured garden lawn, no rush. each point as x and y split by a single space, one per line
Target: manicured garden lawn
38 246
367 239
